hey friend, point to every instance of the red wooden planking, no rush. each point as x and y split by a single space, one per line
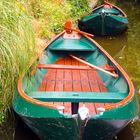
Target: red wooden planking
90 106
80 64
67 109
94 87
100 83
50 79
76 77
103 89
86 88
84 79
47 82
46 79
67 84
59 77
67 76
59 81
74 80
93 81
42 86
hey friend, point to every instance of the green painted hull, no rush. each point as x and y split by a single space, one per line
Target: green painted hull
110 22
49 123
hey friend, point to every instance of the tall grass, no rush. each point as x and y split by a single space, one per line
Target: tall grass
17 47
79 8
17 38
50 15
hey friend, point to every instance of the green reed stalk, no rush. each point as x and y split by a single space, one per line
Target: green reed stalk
17 48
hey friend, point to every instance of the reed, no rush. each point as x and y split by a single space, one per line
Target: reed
50 15
17 47
79 8
17 37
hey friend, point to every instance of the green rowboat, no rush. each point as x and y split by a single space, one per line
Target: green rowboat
106 19
77 92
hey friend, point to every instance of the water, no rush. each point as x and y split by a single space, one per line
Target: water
125 50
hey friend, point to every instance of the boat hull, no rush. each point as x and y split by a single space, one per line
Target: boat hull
73 129
54 115
106 19
52 124
104 24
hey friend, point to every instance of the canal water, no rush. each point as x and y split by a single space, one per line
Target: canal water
125 49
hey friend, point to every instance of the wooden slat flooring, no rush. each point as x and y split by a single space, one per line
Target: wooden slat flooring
73 80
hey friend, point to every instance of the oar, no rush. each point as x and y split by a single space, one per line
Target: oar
68 28
83 33
107 2
95 67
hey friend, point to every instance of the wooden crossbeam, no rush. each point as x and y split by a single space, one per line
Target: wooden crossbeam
72 67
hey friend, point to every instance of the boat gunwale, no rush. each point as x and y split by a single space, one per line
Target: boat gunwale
106 107
112 6
20 89
130 84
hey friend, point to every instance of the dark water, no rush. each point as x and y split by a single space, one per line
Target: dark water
125 49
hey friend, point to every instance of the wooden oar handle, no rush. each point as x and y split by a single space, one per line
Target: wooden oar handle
95 67
106 2
69 29
83 33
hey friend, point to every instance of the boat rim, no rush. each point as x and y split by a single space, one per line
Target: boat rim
112 6
106 107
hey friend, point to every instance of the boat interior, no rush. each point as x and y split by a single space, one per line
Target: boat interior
109 10
62 80
73 84
73 80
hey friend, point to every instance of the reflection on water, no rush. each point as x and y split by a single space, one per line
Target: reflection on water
125 49
114 45
23 132
125 134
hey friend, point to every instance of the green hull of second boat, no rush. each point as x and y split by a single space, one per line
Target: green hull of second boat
104 21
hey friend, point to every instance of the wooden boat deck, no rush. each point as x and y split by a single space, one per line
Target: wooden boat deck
73 80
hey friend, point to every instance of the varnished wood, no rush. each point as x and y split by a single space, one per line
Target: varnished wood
48 105
69 29
72 67
78 80
95 67
58 83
